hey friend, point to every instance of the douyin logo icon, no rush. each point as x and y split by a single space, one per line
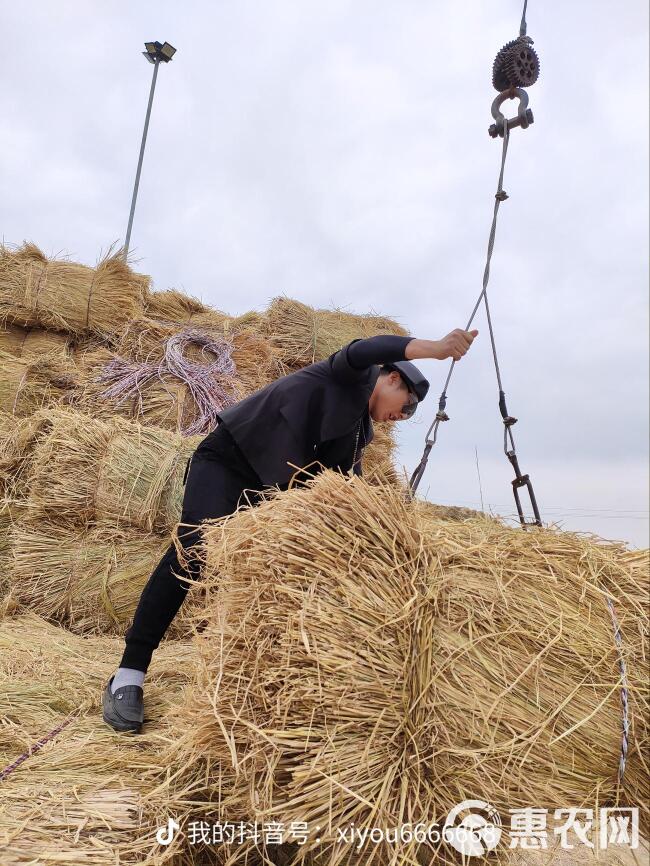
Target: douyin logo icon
164 835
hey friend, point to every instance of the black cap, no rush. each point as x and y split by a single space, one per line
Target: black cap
412 376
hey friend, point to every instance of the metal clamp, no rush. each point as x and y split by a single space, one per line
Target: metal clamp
524 115
523 481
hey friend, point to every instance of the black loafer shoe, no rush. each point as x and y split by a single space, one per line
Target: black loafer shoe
123 710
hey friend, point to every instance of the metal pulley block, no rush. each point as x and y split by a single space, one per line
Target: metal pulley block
516 65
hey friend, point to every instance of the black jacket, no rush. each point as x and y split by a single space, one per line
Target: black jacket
313 413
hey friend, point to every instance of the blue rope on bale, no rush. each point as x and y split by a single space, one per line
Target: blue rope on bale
211 384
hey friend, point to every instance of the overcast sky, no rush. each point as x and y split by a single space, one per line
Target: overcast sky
338 152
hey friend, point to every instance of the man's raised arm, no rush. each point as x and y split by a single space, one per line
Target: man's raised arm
350 364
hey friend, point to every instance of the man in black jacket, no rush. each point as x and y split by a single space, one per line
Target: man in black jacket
320 416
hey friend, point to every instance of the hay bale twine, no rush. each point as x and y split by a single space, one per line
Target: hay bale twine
365 660
144 339
178 387
162 401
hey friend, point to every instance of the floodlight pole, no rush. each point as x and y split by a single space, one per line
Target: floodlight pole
156 63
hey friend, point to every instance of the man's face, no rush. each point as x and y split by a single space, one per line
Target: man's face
388 398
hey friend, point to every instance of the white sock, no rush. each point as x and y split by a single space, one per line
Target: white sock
127 677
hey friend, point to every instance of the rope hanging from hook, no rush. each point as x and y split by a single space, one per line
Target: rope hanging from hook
511 60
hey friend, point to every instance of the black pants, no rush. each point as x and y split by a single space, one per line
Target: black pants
219 480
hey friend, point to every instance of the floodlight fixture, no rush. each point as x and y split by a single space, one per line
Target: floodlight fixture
157 51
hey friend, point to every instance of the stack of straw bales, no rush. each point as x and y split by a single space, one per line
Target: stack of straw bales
98 502
92 796
365 661
49 308
356 657
96 338
89 503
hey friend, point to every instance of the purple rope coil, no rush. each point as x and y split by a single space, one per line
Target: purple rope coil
127 378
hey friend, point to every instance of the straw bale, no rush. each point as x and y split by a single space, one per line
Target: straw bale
90 795
67 296
73 469
31 382
303 335
22 342
454 512
17 439
90 582
366 661
175 308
